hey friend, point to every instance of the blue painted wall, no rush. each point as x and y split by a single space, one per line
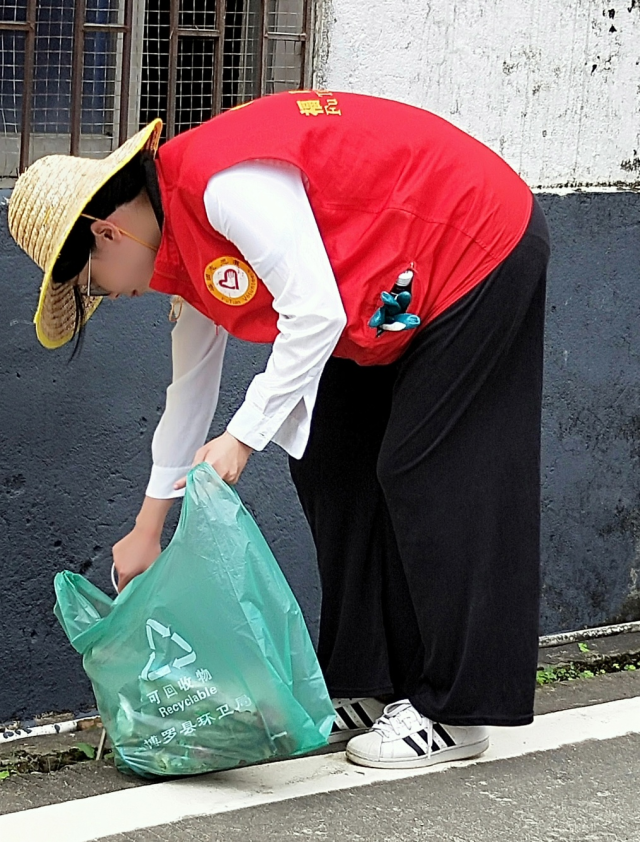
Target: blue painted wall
75 449
591 422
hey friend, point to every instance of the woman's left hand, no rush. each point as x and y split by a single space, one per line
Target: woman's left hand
226 455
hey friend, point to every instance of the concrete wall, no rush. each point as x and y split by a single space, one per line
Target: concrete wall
552 86
74 439
591 421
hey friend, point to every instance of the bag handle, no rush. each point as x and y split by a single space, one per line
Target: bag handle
80 607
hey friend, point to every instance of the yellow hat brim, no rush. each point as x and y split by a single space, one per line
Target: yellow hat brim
46 203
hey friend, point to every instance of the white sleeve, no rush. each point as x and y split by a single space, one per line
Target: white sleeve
262 207
197 348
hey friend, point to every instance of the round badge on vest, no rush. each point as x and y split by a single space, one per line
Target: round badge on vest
231 281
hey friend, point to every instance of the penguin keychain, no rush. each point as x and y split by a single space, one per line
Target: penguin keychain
393 314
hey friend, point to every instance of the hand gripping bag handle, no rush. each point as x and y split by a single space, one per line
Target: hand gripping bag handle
80 608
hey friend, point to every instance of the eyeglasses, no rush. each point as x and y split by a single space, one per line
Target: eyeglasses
93 290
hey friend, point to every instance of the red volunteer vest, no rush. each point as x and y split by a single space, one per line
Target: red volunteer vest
391 186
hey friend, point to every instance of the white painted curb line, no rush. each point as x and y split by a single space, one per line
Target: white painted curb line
94 818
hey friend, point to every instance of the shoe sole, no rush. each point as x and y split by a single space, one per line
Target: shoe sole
445 755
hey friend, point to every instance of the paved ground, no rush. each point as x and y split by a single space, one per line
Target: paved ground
572 777
586 793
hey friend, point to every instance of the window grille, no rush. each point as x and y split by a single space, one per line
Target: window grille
81 76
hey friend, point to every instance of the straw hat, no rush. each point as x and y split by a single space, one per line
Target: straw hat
46 203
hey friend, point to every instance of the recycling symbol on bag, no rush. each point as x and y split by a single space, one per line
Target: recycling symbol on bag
156 628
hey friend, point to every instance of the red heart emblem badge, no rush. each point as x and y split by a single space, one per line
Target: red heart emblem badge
230 280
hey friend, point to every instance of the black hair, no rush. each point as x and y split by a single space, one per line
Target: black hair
126 185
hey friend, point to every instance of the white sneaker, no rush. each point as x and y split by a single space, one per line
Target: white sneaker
403 739
353 717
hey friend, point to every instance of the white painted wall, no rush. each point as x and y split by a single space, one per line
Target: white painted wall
552 85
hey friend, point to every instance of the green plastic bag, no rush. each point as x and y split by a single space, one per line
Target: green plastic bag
204 661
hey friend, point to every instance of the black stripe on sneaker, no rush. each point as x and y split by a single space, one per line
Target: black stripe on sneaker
425 737
448 739
414 745
347 719
364 716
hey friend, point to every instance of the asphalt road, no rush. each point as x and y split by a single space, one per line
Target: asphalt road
585 793
572 777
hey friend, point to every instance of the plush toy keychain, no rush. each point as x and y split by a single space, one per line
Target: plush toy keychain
393 313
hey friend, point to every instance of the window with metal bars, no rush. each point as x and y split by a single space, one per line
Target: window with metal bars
81 76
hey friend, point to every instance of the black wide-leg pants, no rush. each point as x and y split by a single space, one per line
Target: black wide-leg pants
421 484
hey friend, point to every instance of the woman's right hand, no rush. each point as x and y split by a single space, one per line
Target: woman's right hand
134 554
141 547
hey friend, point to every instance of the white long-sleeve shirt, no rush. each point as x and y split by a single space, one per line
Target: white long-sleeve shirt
261 207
